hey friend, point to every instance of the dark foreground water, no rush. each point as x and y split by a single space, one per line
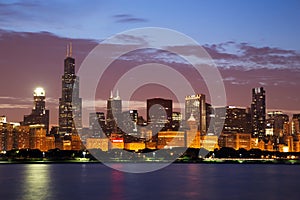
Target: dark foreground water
177 181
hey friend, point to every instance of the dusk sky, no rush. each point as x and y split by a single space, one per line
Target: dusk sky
253 43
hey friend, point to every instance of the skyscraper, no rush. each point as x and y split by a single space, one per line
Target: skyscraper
97 124
276 121
258 112
39 114
195 104
69 103
159 112
295 124
237 120
114 110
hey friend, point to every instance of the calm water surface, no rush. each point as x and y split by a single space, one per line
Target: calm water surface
177 181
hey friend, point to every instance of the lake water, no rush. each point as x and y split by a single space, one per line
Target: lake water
177 181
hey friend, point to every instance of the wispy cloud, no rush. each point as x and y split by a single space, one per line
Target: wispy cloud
127 18
7 102
247 57
14 106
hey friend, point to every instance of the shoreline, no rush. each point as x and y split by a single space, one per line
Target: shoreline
202 161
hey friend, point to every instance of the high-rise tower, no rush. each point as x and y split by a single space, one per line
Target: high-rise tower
295 124
195 104
114 110
69 104
159 112
39 114
258 112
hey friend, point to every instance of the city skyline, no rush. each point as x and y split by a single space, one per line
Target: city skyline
155 99
252 51
140 106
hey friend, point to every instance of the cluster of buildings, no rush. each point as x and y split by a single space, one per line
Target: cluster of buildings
201 126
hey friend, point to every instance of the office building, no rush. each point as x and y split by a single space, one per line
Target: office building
258 112
275 123
114 110
97 123
70 104
195 104
295 124
37 137
129 121
39 114
237 120
159 113
236 140
6 136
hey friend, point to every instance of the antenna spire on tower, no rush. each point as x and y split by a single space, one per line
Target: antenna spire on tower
117 97
67 55
70 49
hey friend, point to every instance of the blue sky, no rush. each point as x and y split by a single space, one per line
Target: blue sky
271 23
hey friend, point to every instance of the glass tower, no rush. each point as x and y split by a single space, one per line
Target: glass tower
195 104
258 112
70 104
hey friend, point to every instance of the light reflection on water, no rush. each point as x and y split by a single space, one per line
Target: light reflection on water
177 181
36 182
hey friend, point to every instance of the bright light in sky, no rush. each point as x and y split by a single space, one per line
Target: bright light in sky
39 92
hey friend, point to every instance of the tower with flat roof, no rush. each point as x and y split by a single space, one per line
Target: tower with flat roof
258 112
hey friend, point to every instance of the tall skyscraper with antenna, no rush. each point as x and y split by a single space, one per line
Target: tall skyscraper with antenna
114 110
70 104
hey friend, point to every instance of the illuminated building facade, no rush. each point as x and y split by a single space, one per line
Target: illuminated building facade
236 140
209 142
258 112
116 141
97 143
195 104
39 114
176 120
134 146
170 139
295 129
276 121
6 136
70 104
237 120
192 134
23 137
37 137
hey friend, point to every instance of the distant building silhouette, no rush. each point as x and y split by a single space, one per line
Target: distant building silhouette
258 112
159 112
39 114
97 123
70 105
